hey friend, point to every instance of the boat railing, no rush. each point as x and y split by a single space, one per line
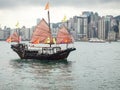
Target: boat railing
50 50
45 50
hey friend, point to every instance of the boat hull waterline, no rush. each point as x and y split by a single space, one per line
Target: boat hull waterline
24 53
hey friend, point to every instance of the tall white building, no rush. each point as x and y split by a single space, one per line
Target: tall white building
101 28
81 27
104 27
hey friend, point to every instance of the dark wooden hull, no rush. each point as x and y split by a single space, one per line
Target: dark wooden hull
25 53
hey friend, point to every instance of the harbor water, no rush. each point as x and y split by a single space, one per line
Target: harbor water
93 66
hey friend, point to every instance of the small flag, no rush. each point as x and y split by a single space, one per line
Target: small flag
17 25
64 19
47 6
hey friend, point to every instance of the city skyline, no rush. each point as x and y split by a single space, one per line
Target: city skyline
26 12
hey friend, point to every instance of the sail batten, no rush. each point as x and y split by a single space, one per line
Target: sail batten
63 36
14 38
42 31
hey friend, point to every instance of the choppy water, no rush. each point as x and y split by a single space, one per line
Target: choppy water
93 66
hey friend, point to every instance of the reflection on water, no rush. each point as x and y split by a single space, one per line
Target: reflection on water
45 75
18 63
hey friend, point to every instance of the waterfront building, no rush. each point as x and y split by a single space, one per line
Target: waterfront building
111 36
105 27
101 28
108 24
93 19
71 27
83 27
25 33
54 28
119 29
80 26
6 32
1 34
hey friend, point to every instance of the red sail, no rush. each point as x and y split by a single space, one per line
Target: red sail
42 34
8 39
13 38
63 36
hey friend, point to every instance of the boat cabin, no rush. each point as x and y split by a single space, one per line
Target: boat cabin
50 50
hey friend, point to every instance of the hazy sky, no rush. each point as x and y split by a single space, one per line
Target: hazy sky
27 11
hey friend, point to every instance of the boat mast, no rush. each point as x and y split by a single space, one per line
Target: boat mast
67 29
49 22
18 31
47 8
49 19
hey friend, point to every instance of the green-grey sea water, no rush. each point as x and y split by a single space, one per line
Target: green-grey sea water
93 66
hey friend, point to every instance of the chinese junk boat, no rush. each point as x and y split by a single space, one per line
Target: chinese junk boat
43 35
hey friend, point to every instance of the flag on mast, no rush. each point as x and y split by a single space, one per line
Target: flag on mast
17 25
47 6
64 19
